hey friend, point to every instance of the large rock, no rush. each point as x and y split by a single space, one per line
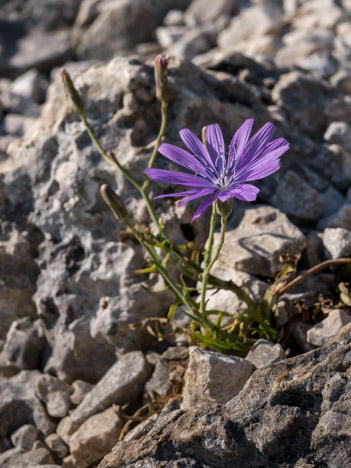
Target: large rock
255 246
291 413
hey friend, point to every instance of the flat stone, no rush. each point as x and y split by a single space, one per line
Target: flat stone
142 429
205 11
55 394
159 383
337 242
324 332
264 352
256 245
213 377
25 437
95 437
121 384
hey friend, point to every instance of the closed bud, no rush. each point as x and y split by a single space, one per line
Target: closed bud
115 203
161 78
77 102
224 209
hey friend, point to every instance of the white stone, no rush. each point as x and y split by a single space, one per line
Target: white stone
213 377
324 332
337 242
265 352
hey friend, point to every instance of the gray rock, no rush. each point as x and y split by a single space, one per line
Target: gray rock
324 332
159 383
95 438
15 124
194 42
339 219
167 36
122 383
339 133
79 390
337 242
25 437
24 344
55 394
264 352
297 198
141 429
257 21
19 404
342 81
32 85
213 377
310 104
299 332
256 245
291 413
56 445
174 18
205 11
331 200
333 163
137 21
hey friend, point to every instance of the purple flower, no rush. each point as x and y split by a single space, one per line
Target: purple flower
216 175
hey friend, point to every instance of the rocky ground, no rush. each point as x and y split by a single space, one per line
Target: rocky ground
73 379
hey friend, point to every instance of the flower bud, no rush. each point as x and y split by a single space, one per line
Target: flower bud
77 102
161 78
224 209
115 203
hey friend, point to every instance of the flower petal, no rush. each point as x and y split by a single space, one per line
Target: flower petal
182 157
215 142
179 178
204 205
239 140
198 194
245 192
195 145
178 194
256 146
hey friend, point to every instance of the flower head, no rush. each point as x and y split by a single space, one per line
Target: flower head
215 174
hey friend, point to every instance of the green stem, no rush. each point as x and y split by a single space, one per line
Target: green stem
158 140
221 242
125 172
207 259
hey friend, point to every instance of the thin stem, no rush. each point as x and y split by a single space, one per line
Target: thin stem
112 159
220 243
160 135
207 259
310 272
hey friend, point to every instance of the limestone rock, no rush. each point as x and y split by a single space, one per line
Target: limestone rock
25 437
324 332
56 445
297 198
337 242
55 394
121 384
264 352
256 245
213 377
95 437
290 413
79 390
19 404
24 343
